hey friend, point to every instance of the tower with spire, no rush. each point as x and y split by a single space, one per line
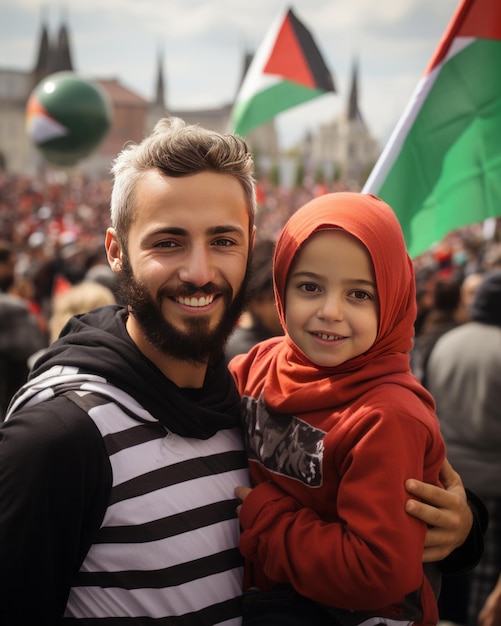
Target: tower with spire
345 143
353 113
61 53
54 55
42 65
159 99
158 107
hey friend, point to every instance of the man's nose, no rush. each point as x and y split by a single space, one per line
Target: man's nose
197 266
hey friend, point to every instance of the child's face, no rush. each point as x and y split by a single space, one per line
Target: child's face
331 303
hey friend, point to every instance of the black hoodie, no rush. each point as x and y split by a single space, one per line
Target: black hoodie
55 472
98 344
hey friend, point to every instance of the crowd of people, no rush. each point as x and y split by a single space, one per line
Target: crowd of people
172 245
54 225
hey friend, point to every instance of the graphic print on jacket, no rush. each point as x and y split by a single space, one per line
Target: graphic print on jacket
284 444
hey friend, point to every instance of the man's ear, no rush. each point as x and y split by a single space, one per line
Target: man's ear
113 250
252 239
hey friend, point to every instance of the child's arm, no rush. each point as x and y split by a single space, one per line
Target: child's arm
371 556
445 511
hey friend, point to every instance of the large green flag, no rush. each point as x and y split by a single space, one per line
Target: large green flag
287 70
441 169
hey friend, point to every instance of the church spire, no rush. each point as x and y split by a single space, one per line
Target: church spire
42 63
52 56
353 108
62 58
246 61
160 86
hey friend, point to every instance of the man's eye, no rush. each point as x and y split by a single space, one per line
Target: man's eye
166 244
224 242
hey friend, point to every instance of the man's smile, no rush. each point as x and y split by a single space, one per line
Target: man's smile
195 302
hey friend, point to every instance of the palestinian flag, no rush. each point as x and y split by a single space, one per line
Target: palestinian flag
286 70
441 169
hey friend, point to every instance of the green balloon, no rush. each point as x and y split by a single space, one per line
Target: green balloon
67 117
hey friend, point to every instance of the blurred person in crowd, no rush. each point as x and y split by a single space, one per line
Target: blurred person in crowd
424 296
131 421
464 378
441 317
82 298
468 288
20 333
260 319
492 257
7 264
68 264
472 252
22 285
99 271
20 337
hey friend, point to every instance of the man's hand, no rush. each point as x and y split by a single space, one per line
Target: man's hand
241 493
445 511
490 615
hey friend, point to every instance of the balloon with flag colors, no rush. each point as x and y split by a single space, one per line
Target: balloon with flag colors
67 117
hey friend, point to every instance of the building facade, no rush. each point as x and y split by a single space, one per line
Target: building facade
341 148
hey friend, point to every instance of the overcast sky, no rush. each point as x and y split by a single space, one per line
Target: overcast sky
203 42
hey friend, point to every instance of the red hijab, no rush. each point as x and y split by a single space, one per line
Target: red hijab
292 381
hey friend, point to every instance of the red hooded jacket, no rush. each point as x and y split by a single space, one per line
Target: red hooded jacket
331 448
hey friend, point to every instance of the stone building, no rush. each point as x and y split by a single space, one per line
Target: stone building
133 115
344 147
341 148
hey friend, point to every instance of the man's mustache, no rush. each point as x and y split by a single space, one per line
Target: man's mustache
190 289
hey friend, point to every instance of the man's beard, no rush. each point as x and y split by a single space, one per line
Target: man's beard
198 344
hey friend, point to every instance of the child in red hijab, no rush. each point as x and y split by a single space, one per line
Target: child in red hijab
334 423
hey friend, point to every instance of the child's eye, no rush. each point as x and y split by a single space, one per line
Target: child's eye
308 287
361 295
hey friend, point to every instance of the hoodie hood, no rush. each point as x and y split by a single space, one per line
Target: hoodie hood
95 347
375 225
293 382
